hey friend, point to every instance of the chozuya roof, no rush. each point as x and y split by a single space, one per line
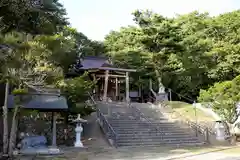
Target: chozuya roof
102 63
42 102
46 99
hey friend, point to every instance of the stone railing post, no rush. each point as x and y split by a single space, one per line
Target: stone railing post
206 135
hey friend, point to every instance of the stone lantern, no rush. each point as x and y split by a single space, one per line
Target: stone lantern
78 130
220 131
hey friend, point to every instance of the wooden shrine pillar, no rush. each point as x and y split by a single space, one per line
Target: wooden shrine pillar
95 87
116 87
105 86
127 88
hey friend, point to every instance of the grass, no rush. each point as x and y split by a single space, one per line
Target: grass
188 111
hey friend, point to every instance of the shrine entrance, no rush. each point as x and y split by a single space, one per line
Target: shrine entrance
110 84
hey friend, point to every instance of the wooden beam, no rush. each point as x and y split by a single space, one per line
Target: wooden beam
105 86
117 69
93 70
112 75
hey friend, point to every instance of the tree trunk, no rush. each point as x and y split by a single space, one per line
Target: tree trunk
5 120
13 134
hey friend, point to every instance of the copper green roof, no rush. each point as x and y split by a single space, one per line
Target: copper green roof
41 102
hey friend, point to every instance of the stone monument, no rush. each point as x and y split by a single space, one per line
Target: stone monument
78 130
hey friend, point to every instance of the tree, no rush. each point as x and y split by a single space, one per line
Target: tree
186 53
21 62
37 47
32 16
126 51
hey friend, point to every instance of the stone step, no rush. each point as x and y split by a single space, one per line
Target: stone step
150 133
153 129
141 122
134 118
144 127
159 139
146 130
133 130
156 137
150 130
146 124
189 143
147 127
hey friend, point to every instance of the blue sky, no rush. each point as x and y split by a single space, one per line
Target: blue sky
95 18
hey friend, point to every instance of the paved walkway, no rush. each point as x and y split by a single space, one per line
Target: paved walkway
98 149
153 154
212 156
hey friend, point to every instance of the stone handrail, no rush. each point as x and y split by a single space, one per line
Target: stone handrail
107 128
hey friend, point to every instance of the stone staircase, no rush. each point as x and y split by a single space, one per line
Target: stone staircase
132 128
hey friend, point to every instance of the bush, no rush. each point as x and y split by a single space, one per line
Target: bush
76 91
223 96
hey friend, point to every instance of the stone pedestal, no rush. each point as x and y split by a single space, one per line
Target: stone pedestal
78 130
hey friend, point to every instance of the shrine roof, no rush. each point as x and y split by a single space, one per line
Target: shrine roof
101 63
90 62
42 102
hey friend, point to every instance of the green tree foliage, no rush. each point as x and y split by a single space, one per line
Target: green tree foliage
32 16
189 52
21 59
223 97
76 90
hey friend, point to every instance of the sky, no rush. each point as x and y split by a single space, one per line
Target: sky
96 18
